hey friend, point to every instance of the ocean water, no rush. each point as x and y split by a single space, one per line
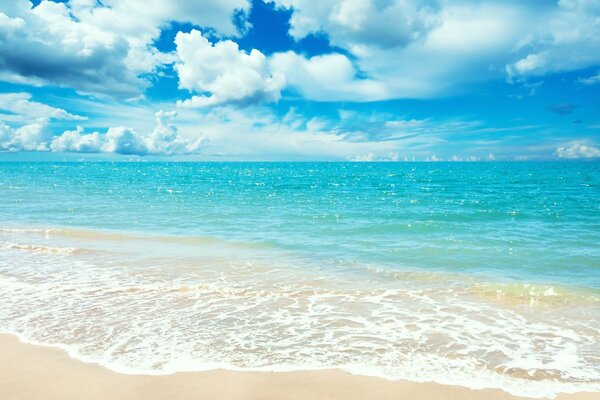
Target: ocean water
485 275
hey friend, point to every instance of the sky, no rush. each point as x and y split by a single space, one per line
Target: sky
300 80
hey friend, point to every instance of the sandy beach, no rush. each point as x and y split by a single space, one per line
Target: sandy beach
42 373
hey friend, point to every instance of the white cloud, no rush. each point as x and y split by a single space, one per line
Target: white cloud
78 142
122 140
31 119
369 157
591 80
526 66
30 137
567 38
34 134
22 108
351 23
164 140
167 141
577 150
440 47
52 47
434 158
456 158
257 133
329 77
226 73
467 43
98 47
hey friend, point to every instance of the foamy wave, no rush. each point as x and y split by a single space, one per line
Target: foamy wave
136 310
26 230
481 380
112 236
534 294
394 334
44 249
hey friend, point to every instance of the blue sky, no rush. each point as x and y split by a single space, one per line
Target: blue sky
363 80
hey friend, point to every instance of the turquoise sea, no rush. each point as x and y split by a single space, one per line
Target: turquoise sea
477 274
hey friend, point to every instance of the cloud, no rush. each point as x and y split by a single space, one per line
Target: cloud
562 108
527 65
456 158
265 133
353 23
164 140
30 137
22 108
50 46
33 117
98 47
330 77
34 134
428 49
224 73
591 80
566 38
371 157
577 150
77 141
464 44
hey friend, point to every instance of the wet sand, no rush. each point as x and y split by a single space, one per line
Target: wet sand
43 373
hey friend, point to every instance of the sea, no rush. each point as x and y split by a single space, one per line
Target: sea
484 275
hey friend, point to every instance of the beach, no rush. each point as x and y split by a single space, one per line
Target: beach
354 277
42 373
299 200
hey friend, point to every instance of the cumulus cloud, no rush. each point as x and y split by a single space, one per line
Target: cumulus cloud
577 150
223 73
77 141
350 23
30 137
31 119
33 133
97 47
50 46
328 77
426 49
164 140
464 44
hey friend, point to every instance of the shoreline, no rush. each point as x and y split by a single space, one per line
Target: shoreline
46 373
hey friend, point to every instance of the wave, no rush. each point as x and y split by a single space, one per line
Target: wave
108 235
45 249
147 304
535 293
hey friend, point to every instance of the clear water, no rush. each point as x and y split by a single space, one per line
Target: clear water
481 274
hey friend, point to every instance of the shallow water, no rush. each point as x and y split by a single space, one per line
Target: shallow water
484 274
